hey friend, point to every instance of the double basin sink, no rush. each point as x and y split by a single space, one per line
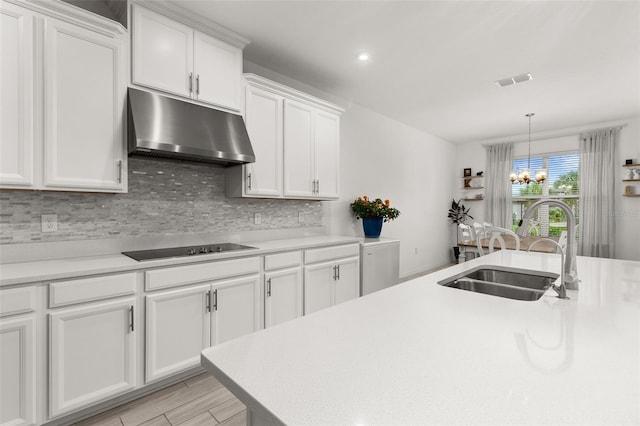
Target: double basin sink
502 281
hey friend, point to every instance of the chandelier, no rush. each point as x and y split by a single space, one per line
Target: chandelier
524 176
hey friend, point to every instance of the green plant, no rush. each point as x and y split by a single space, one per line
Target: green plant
458 213
362 208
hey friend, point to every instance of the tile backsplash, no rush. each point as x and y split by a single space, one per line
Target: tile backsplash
165 198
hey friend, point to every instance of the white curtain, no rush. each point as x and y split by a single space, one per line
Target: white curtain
597 193
497 204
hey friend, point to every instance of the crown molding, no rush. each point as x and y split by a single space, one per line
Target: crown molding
258 81
176 12
74 15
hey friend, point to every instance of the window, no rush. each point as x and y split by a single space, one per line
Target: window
561 184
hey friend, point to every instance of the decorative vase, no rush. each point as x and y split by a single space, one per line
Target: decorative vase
372 226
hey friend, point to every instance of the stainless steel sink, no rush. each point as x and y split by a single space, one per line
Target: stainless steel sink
501 281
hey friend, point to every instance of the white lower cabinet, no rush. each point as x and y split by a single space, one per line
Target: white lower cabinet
283 296
331 276
181 323
17 371
92 354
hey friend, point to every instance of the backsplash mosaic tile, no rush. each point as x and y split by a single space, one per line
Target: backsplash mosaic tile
165 198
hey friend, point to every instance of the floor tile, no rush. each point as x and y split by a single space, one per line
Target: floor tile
204 419
157 421
227 409
207 401
237 420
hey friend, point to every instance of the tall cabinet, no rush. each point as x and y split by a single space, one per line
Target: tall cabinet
76 71
296 138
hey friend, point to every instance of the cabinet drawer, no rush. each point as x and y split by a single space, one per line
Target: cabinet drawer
191 274
17 301
331 253
282 260
88 289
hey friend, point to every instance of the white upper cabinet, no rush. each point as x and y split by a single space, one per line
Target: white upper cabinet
162 52
263 117
63 91
299 179
84 99
174 58
326 154
296 139
218 72
17 74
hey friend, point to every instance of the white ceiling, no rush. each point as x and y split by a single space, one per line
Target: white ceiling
434 63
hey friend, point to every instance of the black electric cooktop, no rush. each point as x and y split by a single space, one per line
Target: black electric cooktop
164 253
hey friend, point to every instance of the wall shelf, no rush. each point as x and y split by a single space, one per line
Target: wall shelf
631 165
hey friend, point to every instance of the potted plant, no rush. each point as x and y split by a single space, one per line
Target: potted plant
373 214
458 214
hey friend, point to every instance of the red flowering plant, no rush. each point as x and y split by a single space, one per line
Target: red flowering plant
362 208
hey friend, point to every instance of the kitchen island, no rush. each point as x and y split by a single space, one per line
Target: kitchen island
420 353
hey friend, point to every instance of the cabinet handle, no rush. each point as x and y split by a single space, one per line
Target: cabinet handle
208 305
215 300
269 287
131 316
318 186
190 82
338 269
249 181
313 187
198 84
119 164
335 273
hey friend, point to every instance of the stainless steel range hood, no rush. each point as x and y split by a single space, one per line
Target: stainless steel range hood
164 127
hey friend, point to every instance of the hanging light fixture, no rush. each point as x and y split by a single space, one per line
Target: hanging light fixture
524 176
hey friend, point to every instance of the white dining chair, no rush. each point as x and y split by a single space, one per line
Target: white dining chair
562 242
468 236
494 233
478 228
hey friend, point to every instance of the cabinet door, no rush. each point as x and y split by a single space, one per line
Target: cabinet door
327 154
298 150
17 372
236 308
92 354
16 99
318 287
348 282
218 72
177 330
162 52
283 296
263 116
84 108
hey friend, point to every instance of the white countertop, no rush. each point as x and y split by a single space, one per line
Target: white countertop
420 353
56 269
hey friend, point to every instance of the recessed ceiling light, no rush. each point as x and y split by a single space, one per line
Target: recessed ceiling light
520 78
363 56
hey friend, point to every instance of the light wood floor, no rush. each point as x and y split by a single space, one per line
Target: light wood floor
200 400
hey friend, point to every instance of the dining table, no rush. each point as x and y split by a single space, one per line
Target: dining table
544 246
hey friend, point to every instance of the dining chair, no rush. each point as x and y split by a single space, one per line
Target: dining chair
468 236
494 233
562 242
478 228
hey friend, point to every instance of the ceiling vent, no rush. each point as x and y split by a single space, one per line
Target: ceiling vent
520 78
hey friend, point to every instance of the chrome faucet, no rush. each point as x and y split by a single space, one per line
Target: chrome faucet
570 273
561 289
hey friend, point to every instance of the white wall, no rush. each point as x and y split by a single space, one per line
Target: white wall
627 209
383 158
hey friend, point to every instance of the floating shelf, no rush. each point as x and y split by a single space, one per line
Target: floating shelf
631 195
631 180
475 199
482 187
631 165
